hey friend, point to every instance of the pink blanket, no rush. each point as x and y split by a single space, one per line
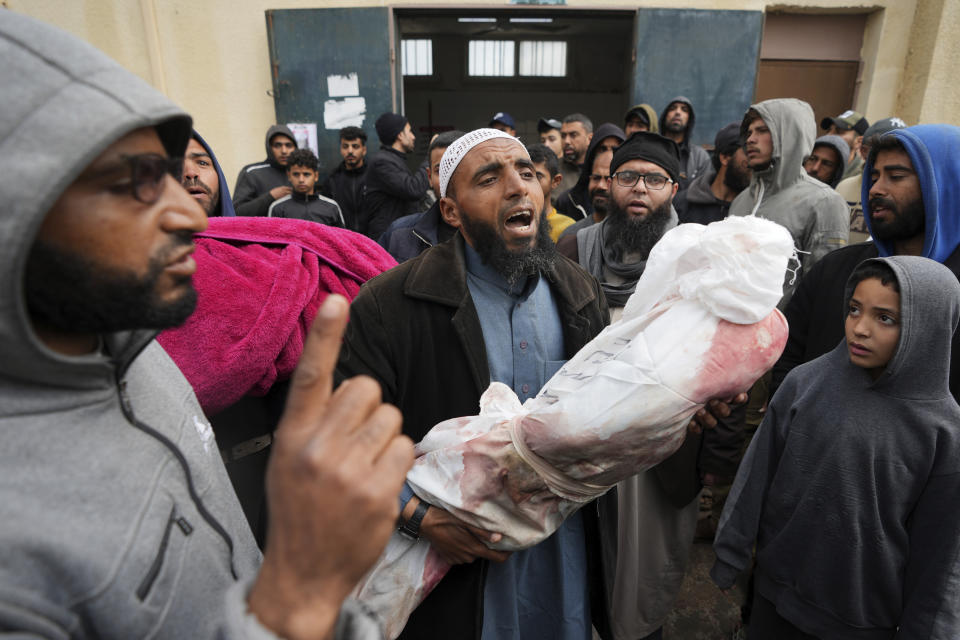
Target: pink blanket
260 282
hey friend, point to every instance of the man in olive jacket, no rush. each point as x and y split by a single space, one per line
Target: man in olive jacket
428 331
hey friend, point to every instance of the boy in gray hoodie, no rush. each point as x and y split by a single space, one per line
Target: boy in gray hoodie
849 486
117 518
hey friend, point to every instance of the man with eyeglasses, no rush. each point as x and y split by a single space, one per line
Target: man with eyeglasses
261 183
657 508
119 519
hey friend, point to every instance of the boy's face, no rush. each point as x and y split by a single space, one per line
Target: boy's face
302 179
547 182
873 325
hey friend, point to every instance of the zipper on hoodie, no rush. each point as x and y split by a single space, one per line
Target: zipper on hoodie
147 583
127 409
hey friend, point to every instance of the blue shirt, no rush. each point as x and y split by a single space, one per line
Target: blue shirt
541 592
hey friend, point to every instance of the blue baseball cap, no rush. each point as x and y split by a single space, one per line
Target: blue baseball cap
503 118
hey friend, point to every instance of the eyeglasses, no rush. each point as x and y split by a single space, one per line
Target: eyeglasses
653 181
147 173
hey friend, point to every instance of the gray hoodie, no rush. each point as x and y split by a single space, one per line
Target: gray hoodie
117 518
815 215
850 485
839 145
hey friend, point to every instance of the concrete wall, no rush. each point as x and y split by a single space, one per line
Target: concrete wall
211 56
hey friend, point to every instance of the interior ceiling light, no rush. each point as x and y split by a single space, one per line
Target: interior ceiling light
543 20
476 19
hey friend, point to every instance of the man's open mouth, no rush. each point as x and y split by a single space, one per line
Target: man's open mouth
520 220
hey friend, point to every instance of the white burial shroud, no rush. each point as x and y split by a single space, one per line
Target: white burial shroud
701 324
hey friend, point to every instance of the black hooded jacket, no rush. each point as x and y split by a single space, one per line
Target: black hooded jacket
347 186
694 160
251 196
391 191
575 202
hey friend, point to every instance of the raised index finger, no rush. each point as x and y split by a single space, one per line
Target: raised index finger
312 382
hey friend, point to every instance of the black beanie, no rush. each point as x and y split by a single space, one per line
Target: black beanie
389 126
651 147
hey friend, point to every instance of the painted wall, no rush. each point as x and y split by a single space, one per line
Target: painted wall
212 56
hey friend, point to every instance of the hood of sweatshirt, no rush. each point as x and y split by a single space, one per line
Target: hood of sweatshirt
651 116
604 131
690 124
272 131
933 150
920 366
64 102
839 145
225 206
793 129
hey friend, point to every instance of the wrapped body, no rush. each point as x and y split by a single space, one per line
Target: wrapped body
702 324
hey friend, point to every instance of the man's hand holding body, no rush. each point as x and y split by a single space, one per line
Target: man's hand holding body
456 542
338 464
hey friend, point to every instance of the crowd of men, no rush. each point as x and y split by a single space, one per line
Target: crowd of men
119 517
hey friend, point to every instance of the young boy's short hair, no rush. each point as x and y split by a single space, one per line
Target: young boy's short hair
303 158
872 269
542 153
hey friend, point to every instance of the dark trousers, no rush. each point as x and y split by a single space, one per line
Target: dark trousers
767 624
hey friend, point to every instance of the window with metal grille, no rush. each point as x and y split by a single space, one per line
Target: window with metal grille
491 58
539 58
416 57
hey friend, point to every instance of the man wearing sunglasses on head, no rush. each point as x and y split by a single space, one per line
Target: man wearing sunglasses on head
118 519
657 508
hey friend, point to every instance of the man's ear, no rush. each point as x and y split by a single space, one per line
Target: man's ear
450 212
555 181
724 159
676 187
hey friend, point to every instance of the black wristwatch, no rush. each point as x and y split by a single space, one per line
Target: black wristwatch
411 528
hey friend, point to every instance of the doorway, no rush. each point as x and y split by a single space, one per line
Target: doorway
812 57
464 66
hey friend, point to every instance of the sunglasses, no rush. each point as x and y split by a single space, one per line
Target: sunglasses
147 176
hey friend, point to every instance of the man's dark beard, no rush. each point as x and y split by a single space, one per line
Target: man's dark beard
735 179
907 223
600 207
627 236
512 264
70 293
675 127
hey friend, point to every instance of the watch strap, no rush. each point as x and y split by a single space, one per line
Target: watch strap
411 528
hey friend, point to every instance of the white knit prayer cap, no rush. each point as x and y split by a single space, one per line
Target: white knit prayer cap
461 147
